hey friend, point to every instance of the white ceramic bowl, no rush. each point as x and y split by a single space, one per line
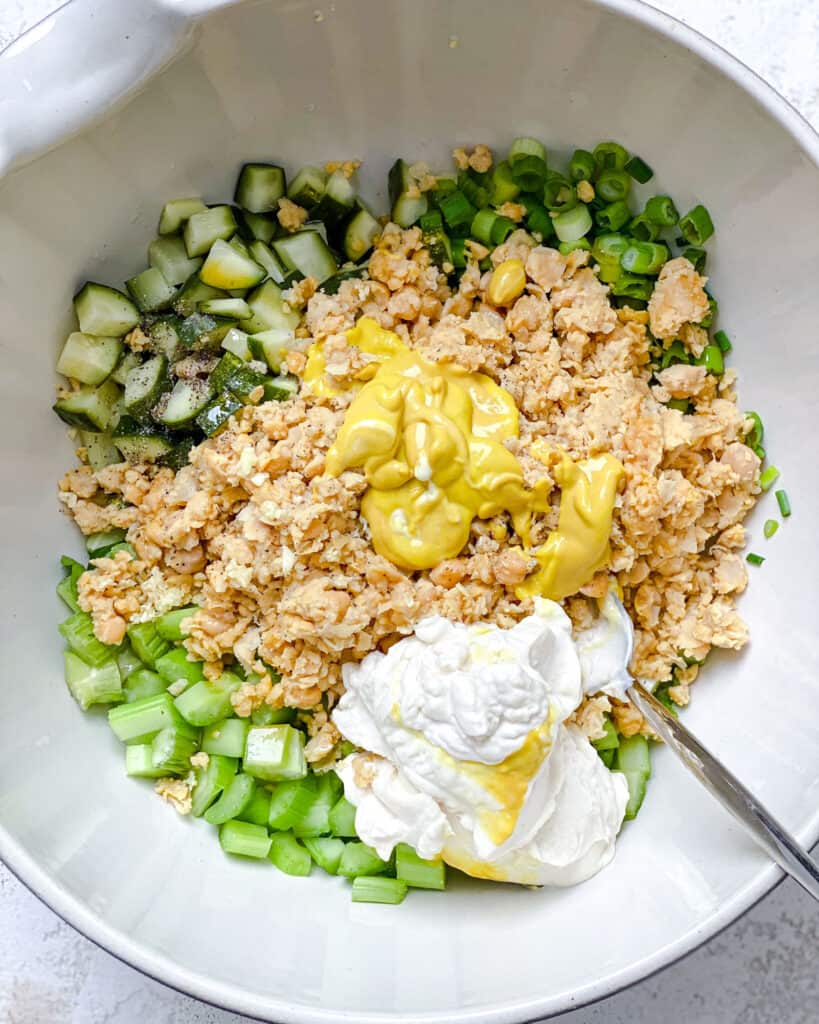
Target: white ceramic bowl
372 79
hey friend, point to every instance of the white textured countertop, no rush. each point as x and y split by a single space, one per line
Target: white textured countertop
762 970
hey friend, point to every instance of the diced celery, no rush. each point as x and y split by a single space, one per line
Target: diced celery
289 856
92 684
172 747
418 872
359 859
258 810
211 781
67 587
226 737
78 633
290 801
235 799
143 717
633 755
139 762
379 890
326 852
207 702
99 544
636 793
265 715
275 752
610 741
175 666
315 821
143 683
242 839
127 660
342 819
147 643
169 625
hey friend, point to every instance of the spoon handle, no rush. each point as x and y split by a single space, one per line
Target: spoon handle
774 839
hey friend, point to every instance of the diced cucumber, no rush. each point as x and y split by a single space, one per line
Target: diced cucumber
184 403
260 187
89 358
272 346
94 409
177 211
100 450
408 210
236 309
307 188
214 416
92 684
104 311
398 180
150 291
224 368
360 236
281 388
207 227
127 362
164 335
306 251
337 201
193 292
269 310
318 226
227 267
170 257
179 455
144 385
139 443
265 257
332 284
254 225
236 342
202 332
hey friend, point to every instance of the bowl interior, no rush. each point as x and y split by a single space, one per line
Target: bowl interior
375 79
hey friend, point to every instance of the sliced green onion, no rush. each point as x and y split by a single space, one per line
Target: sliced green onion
661 210
379 890
525 146
768 478
241 839
675 353
573 224
457 210
482 225
697 257
538 220
610 156
470 183
639 170
682 405
712 360
458 246
784 503
754 436
724 342
530 173
559 194
754 559
713 309
696 226
582 165
633 287
607 250
644 257
503 187
643 229
770 527
580 243
614 216
289 856
613 186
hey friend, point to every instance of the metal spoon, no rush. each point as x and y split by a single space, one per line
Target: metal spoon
775 840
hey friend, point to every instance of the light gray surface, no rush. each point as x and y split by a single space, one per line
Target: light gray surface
761 970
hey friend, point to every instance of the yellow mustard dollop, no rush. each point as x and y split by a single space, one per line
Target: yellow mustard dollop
430 439
368 336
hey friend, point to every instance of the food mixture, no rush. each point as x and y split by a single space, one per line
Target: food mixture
406 524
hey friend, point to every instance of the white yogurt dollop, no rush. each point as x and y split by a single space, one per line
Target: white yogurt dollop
468 754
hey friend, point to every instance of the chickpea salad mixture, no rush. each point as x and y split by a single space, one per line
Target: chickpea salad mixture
384 513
